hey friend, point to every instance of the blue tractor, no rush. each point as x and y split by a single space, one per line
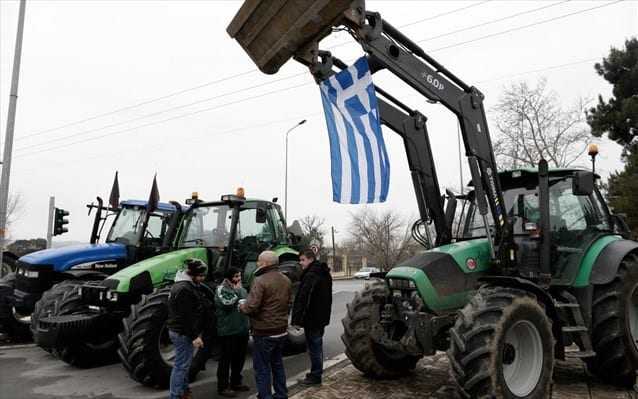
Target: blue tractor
140 230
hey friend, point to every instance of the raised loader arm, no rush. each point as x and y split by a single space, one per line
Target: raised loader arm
273 32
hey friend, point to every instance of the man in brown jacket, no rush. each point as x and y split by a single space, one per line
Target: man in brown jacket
267 306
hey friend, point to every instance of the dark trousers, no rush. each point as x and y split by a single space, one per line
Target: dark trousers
314 342
269 367
231 362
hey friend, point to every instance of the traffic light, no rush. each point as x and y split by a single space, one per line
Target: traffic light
59 221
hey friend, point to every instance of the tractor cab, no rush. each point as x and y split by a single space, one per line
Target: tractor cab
234 231
143 233
578 217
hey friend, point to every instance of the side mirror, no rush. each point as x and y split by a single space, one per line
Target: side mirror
583 183
260 217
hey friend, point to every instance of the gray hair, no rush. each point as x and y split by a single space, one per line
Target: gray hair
269 258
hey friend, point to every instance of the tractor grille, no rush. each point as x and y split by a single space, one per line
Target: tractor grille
34 285
94 294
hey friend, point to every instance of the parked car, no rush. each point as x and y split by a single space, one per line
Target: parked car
365 272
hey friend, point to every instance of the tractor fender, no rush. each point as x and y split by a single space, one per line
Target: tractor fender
84 275
606 264
542 296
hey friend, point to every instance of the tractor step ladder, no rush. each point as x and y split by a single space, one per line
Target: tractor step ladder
575 327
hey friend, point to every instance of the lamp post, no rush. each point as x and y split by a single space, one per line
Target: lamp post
286 174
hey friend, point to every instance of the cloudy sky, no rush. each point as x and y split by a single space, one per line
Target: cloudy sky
147 87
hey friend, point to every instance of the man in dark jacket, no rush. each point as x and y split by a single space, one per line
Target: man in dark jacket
185 313
267 306
311 310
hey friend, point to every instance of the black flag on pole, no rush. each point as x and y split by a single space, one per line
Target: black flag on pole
114 198
153 199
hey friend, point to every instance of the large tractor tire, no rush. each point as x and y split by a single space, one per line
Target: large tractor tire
502 346
45 307
367 356
14 329
98 350
615 326
8 266
146 350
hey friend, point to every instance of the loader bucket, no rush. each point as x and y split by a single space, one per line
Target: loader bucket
272 31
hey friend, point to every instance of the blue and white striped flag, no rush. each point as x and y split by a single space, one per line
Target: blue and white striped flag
360 165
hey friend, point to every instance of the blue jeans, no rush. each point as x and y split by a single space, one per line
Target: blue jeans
268 361
314 341
183 359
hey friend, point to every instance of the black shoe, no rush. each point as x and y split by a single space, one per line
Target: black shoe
227 393
240 388
310 381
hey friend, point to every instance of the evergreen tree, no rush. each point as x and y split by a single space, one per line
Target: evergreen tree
623 191
618 117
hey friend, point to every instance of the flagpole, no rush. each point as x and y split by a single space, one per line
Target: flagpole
286 174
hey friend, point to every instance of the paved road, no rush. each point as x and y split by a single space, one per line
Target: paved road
30 373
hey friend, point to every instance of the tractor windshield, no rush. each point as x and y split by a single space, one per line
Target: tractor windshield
208 226
128 225
568 212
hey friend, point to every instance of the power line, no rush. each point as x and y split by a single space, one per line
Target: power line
277 91
162 121
128 107
288 88
214 82
518 14
524 26
81 133
190 139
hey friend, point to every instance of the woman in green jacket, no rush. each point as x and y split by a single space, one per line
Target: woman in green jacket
232 330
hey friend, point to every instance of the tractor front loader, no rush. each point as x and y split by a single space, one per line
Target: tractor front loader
539 268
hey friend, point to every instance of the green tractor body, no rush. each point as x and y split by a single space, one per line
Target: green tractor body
230 232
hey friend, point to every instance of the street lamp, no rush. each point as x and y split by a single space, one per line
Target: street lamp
286 174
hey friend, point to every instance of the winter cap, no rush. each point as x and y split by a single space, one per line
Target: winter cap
195 267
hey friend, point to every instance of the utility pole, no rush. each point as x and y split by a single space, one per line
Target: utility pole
286 174
334 251
458 138
50 225
8 140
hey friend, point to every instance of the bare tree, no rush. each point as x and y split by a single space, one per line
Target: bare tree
532 124
15 206
313 230
383 237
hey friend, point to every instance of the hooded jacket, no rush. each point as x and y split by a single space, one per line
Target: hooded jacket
185 307
313 302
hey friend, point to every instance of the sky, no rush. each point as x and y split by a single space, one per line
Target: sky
158 87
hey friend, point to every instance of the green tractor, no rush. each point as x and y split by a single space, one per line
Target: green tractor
538 268
232 231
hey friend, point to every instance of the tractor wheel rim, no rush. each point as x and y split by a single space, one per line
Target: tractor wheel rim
523 352
632 316
166 347
5 269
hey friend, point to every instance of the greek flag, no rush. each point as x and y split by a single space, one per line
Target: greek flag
360 165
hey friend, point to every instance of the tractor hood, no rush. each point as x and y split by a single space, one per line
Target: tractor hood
153 272
62 259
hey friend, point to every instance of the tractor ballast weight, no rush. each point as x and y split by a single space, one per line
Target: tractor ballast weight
517 286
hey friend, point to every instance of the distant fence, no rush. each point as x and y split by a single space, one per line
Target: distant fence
344 265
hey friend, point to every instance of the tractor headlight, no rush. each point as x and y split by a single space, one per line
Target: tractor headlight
111 296
31 273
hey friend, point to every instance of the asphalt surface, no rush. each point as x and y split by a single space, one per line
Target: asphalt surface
28 372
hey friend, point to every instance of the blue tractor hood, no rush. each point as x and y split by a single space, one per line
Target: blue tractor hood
65 258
